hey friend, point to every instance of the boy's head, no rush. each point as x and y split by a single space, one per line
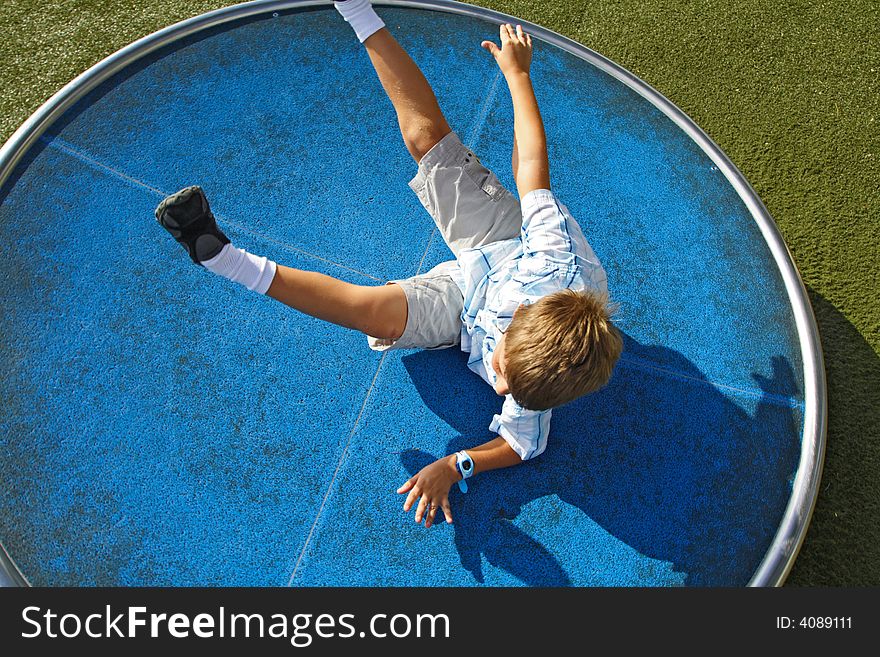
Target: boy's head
559 348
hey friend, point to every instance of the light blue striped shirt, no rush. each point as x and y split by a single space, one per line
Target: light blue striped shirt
551 254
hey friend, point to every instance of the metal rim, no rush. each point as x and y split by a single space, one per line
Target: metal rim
780 556
10 575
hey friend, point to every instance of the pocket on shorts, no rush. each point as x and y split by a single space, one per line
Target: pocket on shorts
482 177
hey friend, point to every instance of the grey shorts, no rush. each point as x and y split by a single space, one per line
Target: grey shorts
471 208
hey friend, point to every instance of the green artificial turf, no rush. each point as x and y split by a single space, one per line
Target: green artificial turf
789 91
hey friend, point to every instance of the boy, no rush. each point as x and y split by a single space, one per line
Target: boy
525 297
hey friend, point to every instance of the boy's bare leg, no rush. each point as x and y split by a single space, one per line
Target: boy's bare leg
421 121
378 311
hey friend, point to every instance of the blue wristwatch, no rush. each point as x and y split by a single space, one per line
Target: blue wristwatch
465 465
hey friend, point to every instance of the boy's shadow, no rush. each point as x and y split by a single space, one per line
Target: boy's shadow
659 458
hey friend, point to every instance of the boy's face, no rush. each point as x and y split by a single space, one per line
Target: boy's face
499 364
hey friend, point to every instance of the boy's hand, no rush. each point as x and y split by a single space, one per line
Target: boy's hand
431 484
515 53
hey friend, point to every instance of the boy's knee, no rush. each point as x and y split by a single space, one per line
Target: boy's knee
385 312
422 136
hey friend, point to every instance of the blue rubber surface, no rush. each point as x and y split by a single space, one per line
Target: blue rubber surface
163 426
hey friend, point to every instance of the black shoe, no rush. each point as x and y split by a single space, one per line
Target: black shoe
187 216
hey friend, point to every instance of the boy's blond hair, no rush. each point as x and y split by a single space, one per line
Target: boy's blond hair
559 348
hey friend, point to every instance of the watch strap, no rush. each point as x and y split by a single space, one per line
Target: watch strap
465 466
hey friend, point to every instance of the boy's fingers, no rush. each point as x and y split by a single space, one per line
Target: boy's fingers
413 494
491 47
519 32
447 510
408 485
420 511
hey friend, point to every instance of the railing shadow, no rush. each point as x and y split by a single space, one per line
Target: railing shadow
842 545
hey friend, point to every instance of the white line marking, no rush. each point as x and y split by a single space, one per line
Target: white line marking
336 472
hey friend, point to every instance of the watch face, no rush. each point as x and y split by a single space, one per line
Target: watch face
466 465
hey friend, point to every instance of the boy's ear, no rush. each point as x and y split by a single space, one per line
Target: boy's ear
524 304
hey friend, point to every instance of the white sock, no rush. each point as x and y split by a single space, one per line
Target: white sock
254 272
361 16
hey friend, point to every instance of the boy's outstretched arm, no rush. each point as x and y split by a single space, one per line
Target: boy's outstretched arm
430 485
531 167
